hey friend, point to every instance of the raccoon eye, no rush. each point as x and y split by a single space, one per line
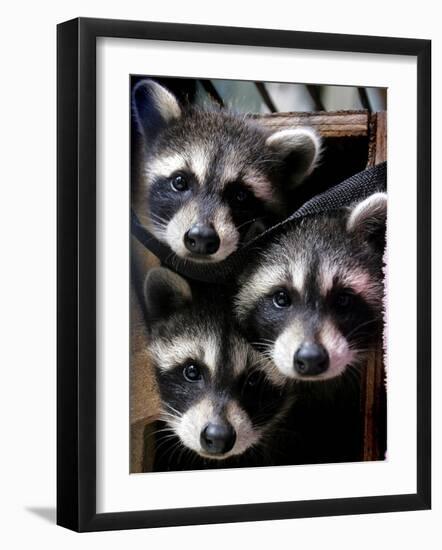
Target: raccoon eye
238 194
253 379
344 300
192 373
241 195
179 183
281 299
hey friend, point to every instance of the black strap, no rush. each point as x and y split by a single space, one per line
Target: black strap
355 188
146 238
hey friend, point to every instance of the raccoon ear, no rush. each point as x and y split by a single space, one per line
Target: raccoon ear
299 148
164 293
154 107
368 218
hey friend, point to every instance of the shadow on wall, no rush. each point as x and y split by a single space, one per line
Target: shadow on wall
47 513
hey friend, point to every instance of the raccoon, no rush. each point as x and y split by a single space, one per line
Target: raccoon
209 179
313 303
217 402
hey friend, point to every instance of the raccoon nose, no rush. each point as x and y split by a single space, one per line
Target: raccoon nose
311 359
202 239
219 438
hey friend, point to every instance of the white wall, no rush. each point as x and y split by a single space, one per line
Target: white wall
27 290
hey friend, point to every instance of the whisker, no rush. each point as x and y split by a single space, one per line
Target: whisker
375 320
249 222
169 406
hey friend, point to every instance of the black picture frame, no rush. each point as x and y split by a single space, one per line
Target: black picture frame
76 273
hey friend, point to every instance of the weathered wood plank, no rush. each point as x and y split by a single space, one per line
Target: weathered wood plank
381 138
377 149
374 391
372 400
328 124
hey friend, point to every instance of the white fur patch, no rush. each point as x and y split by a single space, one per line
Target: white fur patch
329 336
189 426
167 355
165 166
304 141
165 102
178 226
261 283
356 279
268 277
262 188
230 171
326 275
361 282
199 160
338 350
187 216
211 349
285 347
227 232
298 272
374 206
246 435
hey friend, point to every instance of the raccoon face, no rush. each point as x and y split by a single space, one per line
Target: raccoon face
214 395
212 180
313 306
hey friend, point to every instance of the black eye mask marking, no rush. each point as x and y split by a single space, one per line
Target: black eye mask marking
271 314
239 196
184 385
354 317
342 300
245 207
168 194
